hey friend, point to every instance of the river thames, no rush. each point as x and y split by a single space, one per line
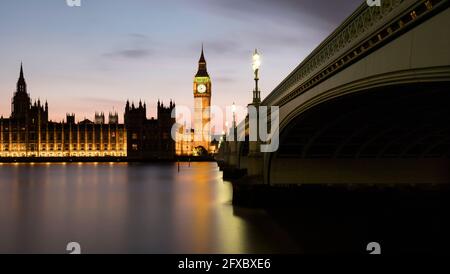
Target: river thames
129 208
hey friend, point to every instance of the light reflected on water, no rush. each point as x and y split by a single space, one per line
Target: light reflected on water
128 208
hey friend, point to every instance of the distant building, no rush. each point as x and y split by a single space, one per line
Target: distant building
99 118
149 138
29 133
113 118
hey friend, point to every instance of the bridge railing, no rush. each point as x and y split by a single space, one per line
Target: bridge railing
365 30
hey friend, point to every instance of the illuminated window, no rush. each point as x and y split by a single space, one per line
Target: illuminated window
134 136
134 147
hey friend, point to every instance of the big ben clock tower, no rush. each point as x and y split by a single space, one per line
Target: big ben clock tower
202 104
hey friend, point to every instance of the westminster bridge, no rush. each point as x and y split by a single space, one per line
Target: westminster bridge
369 106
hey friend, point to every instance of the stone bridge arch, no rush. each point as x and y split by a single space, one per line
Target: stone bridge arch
398 133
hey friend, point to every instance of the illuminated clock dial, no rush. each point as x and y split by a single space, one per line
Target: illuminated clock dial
201 88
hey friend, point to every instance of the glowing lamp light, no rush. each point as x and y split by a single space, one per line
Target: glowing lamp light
256 60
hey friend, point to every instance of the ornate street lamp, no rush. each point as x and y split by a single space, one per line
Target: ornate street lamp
255 65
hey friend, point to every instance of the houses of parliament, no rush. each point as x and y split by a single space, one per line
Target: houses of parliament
28 132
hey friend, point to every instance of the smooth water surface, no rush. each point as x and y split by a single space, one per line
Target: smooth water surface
129 208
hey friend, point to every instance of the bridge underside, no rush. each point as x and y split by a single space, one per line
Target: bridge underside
391 135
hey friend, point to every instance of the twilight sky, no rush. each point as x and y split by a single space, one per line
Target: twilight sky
95 57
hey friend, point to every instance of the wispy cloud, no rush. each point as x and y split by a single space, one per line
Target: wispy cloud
130 53
100 101
224 79
139 36
222 46
138 48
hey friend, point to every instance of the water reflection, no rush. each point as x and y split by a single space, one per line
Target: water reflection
128 208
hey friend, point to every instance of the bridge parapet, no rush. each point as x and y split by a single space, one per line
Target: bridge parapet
365 30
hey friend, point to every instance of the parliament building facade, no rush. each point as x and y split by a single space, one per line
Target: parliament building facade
28 133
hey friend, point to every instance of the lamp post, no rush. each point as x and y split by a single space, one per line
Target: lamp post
227 131
233 110
222 138
254 159
255 65
234 123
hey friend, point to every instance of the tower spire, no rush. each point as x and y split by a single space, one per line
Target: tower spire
202 71
21 84
21 70
21 102
202 56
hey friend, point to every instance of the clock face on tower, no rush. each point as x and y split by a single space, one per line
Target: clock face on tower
201 88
